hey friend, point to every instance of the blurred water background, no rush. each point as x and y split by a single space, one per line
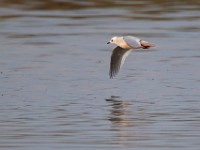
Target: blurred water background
55 92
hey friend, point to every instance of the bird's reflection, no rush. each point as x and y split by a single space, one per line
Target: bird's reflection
119 111
125 121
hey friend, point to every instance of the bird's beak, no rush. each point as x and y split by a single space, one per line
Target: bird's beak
108 43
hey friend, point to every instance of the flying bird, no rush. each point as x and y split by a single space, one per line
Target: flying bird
125 44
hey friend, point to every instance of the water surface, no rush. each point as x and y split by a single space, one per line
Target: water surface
55 90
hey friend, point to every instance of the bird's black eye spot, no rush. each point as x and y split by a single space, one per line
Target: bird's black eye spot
111 40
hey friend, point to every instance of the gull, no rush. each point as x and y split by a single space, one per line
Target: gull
125 44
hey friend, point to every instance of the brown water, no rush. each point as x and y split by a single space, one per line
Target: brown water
55 92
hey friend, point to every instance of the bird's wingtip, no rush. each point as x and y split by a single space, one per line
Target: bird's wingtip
111 75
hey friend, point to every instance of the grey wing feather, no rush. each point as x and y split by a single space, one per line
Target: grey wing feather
132 41
117 59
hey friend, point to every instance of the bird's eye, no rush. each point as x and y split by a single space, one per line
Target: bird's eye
111 40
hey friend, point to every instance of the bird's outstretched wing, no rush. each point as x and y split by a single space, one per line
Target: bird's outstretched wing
117 60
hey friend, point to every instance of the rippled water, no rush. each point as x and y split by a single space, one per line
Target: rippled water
55 90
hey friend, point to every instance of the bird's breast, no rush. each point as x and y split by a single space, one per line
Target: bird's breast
124 45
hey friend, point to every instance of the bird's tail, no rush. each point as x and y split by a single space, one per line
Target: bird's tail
145 44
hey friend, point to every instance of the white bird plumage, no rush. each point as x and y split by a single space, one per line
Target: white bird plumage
125 44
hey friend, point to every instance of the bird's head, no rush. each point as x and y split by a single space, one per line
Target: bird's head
113 40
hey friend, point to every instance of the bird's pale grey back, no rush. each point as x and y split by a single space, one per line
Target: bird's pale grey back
133 42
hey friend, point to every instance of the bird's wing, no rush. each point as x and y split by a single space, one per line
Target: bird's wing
117 60
132 41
